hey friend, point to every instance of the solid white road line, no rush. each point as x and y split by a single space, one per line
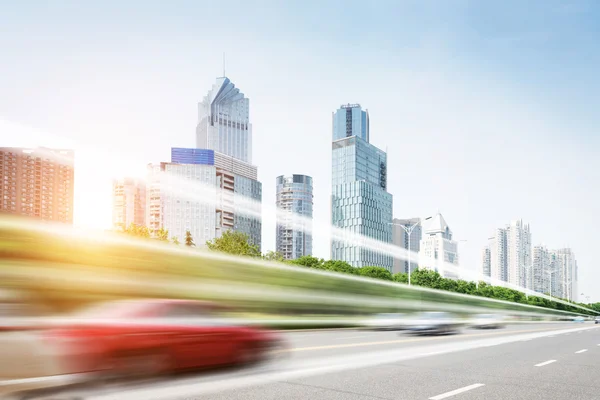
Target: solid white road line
457 391
581 351
545 363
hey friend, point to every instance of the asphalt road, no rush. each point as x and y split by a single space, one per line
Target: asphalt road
530 361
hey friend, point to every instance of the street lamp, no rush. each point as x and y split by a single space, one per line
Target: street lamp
408 229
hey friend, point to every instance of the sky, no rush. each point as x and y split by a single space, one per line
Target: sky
488 110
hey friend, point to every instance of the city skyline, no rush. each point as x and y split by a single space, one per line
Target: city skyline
441 144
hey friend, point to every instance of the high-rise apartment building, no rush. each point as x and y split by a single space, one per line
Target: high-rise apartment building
129 203
37 182
510 254
360 202
224 121
402 238
438 251
294 216
541 272
486 262
519 254
566 274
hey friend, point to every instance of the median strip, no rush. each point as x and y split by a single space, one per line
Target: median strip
457 391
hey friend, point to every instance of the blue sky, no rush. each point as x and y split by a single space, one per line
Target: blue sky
488 109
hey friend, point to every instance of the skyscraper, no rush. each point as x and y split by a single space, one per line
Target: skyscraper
37 182
541 269
224 121
498 258
129 203
519 254
566 274
294 217
360 202
437 247
400 238
224 127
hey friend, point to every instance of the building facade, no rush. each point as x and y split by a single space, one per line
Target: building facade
179 199
566 274
224 121
400 238
360 203
129 203
519 260
438 251
541 270
486 262
294 216
37 182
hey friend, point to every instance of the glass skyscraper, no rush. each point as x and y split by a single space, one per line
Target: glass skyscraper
224 121
294 217
360 202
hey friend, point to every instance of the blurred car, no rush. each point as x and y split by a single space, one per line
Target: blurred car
434 322
386 321
597 320
130 339
487 321
578 319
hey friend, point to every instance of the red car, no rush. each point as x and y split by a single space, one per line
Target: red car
147 337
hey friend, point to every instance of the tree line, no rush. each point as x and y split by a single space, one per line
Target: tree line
238 243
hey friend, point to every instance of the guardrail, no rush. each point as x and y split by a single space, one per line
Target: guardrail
66 266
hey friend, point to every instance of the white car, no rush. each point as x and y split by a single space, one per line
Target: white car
487 321
386 321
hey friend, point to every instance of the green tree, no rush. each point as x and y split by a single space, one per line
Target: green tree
376 272
273 256
175 240
340 266
427 278
309 261
189 240
137 231
162 234
401 277
233 242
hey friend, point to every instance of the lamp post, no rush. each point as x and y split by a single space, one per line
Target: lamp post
408 229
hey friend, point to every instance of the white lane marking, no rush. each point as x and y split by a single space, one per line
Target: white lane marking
457 391
545 363
581 351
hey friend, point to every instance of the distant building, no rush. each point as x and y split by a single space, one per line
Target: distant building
37 182
129 203
486 262
541 269
400 238
438 249
360 202
510 254
566 274
294 216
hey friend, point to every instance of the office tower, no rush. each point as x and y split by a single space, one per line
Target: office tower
206 192
180 198
438 250
360 203
519 254
37 182
129 203
486 262
400 238
224 121
294 216
541 269
498 258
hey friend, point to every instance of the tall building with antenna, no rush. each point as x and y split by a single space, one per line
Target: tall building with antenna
360 202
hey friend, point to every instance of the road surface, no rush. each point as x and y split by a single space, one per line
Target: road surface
529 361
